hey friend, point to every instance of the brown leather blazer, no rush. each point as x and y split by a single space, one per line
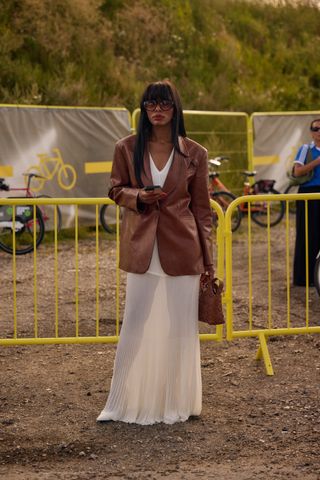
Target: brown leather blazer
181 222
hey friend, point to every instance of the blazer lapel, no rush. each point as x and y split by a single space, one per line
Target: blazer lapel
146 176
179 164
184 149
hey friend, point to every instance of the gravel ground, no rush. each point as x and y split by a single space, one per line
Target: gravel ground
252 426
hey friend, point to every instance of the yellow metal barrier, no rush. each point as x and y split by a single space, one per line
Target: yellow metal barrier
268 314
57 287
31 325
277 254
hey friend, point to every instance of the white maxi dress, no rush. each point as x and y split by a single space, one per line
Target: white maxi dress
157 372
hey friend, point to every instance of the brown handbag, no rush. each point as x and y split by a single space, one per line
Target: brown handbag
210 301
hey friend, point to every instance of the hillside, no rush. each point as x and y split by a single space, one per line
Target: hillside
222 54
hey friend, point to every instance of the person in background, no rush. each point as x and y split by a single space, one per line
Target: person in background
165 246
313 185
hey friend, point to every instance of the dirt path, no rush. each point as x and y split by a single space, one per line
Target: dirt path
252 426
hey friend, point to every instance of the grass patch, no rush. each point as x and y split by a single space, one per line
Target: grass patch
84 233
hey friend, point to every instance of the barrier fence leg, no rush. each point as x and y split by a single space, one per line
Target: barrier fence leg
263 352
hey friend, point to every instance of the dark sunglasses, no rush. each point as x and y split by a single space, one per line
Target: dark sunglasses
315 129
151 105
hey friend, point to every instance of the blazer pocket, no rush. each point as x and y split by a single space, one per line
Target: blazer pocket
191 171
182 209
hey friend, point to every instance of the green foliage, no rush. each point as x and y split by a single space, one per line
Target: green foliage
231 55
84 233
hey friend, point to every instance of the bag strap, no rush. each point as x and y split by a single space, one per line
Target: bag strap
308 158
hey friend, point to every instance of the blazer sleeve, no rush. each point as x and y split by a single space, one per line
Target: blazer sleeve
121 190
200 206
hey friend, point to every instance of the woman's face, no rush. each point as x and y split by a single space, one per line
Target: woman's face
160 112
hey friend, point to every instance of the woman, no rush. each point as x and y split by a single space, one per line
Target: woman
302 168
165 245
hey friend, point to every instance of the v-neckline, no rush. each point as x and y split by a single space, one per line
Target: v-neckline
169 161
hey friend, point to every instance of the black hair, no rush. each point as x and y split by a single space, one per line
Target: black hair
162 90
313 121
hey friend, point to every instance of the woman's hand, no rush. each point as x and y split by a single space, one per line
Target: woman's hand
150 196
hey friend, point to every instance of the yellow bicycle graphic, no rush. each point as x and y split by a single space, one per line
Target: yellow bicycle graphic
66 174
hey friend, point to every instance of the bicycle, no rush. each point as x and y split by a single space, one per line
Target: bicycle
47 211
258 210
108 217
18 222
66 174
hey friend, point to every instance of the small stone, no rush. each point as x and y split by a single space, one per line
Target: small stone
10 421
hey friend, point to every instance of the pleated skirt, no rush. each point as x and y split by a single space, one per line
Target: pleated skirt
157 375
299 265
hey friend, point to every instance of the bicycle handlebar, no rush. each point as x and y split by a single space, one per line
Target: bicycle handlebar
4 186
249 173
35 175
217 161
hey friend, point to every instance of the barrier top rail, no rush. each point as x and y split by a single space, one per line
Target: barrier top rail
55 201
63 107
285 197
307 112
136 113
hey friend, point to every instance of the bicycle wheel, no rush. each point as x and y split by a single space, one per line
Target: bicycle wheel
47 212
224 199
259 211
292 204
67 177
108 217
24 228
316 274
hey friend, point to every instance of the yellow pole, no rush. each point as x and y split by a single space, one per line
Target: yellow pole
14 266
228 275
250 265
56 285
263 352
76 233
288 264
221 255
250 141
97 270
307 260
269 268
35 299
117 270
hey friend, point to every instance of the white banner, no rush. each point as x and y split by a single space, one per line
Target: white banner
71 148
